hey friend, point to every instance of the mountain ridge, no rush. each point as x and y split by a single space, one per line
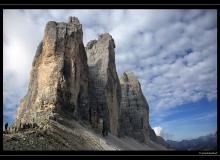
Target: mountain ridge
207 142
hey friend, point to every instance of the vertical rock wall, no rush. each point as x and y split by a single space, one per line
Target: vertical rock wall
134 109
104 85
59 75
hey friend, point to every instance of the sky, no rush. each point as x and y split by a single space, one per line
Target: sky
173 53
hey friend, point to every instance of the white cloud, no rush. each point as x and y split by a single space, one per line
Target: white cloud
157 130
206 116
160 132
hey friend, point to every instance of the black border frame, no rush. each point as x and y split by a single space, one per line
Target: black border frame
211 154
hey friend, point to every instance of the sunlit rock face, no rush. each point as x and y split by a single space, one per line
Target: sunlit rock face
59 75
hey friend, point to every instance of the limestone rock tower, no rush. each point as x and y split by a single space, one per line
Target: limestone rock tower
59 76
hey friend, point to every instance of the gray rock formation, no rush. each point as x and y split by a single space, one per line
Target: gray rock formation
104 86
66 88
134 109
134 117
59 76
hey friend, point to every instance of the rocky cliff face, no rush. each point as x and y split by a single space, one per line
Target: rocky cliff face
134 117
104 86
59 76
66 88
134 109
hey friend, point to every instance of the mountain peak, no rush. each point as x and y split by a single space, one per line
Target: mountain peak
71 85
73 20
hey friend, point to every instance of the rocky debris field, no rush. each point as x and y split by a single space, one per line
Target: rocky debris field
70 136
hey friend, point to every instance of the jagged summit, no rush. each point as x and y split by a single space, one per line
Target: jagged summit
104 39
73 19
75 99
